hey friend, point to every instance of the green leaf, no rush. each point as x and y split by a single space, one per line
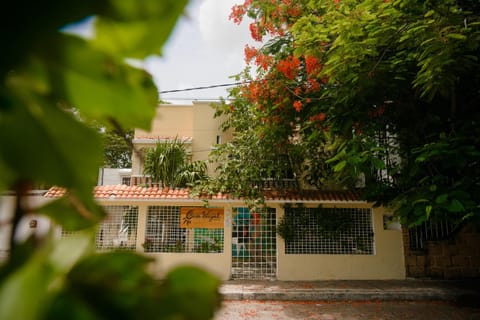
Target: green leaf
455 206
339 166
441 198
456 36
378 163
67 153
24 294
113 285
29 289
103 87
136 31
428 210
199 286
73 212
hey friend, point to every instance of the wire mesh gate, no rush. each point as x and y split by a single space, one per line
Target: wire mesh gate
254 254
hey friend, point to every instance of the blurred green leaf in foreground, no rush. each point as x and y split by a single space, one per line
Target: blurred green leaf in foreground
52 84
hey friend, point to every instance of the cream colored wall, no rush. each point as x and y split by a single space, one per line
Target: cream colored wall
170 121
218 264
206 128
196 121
386 263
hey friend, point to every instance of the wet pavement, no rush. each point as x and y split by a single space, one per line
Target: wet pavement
351 300
365 310
466 292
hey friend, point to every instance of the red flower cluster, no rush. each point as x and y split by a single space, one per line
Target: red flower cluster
313 85
318 117
255 32
250 53
289 67
297 105
238 11
312 65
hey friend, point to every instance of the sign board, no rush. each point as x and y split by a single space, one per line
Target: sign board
199 217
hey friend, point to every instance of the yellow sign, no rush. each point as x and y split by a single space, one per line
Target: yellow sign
198 217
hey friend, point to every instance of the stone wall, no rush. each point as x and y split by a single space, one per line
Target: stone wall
456 258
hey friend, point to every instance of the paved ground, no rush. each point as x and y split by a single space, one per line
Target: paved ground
464 292
412 310
351 300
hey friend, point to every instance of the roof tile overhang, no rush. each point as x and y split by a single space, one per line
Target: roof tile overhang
157 139
123 192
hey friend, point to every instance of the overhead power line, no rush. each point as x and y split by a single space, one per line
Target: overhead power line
205 87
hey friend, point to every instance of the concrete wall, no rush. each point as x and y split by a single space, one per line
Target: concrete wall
196 121
386 263
170 121
112 176
27 226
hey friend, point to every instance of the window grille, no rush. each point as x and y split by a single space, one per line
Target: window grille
329 231
118 231
126 181
254 254
429 231
163 233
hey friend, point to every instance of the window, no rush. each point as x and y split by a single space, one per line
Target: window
328 231
126 181
163 233
118 231
431 230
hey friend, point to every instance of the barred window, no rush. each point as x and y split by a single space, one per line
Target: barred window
430 230
126 180
163 233
327 231
118 231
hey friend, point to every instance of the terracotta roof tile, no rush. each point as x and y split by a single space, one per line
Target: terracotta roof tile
155 139
138 192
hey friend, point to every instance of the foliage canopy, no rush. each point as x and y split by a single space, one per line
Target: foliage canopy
377 93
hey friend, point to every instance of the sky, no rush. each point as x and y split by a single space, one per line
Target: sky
205 48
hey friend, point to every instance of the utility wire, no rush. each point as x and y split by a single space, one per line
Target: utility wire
205 87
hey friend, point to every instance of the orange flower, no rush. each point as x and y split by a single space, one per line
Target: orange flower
297 105
255 32
250 53
289 67
312 65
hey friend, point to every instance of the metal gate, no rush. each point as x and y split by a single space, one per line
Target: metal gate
254 249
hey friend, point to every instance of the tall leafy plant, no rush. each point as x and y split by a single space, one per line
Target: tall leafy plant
168 164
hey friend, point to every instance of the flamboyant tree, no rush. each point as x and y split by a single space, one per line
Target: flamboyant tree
373 91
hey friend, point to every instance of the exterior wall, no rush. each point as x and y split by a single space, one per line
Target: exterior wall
112 176
217 263
196 121
386 263
25 228
457 258
206 128
170 121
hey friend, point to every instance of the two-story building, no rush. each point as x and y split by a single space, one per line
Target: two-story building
289 240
